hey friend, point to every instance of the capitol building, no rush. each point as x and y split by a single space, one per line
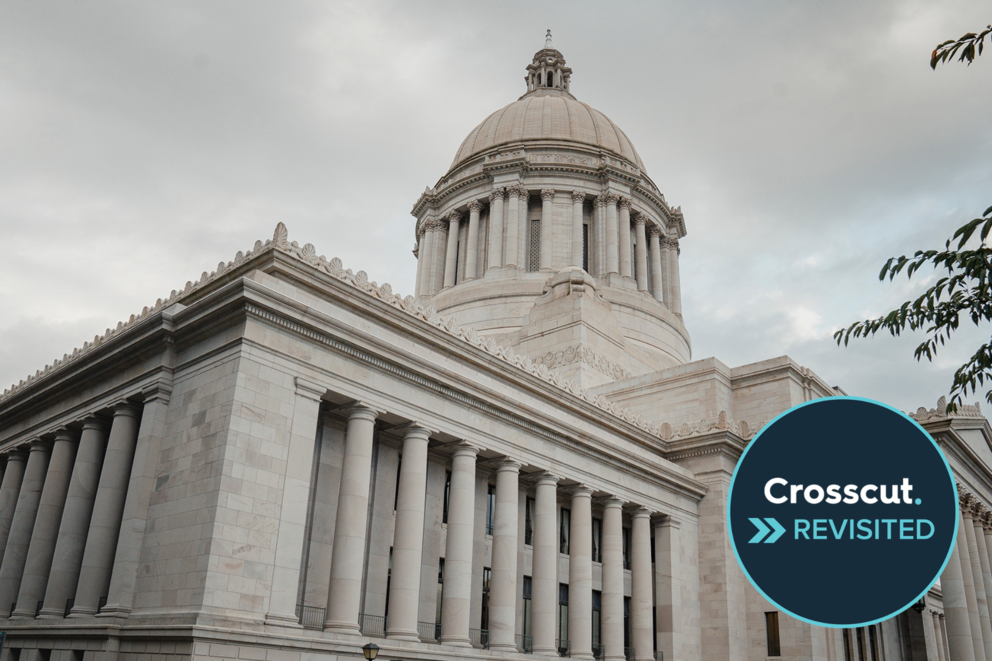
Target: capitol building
516 458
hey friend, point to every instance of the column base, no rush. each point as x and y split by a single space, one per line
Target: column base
114 611
550 651
343 627
585 657
503 646
453 641
22 614
283 620
78 611
51 614
614 657
411 636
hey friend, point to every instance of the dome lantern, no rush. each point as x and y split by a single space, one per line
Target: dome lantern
548 73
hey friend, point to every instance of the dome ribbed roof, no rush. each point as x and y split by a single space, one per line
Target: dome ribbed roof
548 117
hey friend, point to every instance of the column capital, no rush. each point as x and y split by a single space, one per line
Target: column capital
613 502
95 422
159 391
599 201
415 429
581 491
464 449
547 194
66 434
509 465
964 501
309 389
127 408
546 479
977 510
654 230
475 205
578 196
671 243
16 454
40 445
515 190
625 203
497 194
987 522
667 521
641 513
640 219
454 217
611 198
362 411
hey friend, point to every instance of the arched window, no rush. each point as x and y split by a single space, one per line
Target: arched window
551 78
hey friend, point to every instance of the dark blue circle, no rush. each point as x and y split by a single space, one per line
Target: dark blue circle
843 441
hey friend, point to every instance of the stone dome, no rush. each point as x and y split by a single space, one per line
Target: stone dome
548 114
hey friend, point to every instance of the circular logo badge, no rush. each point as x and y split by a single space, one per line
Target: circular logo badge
837 497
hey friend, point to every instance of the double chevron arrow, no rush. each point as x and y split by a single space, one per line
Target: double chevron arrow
764 530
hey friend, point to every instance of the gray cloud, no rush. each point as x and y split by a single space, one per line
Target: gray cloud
140 144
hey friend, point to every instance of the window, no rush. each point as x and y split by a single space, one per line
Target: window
487 575
597 540
447 496
562 619
627 637
566 526
529 522
860 634
396 496
528 591
597 618
440 593
652 549
626 548
551 79
585 248
389 578
490 510
873 645
534 264
847 645
633 259
771 633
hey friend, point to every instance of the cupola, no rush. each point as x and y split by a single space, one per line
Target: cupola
548 73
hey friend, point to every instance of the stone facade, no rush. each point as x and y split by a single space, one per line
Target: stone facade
284 461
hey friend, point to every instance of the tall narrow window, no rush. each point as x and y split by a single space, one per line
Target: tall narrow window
487 574
873 644
447 496
771 634
652 549
633 259
551 79
440 596
847 645
490 509
534 264
528 632
597 618
563 619
389 578
626 623
597 540
585 248
860 636
396 496
529 522
626 548
566 528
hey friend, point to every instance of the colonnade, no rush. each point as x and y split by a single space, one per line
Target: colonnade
629 244
966 586
347 559
62 501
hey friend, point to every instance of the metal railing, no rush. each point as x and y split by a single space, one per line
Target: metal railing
100 604
429 632
524 643
311 617
479 638
564 647
373 626
69 603
598 651
628 653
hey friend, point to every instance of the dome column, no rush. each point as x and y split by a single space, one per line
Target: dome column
512 225
547 229
420 263
472 249
673 278
578 198
451 253
657 283
625 251
496 228
612 234
426 255
642 254
437 259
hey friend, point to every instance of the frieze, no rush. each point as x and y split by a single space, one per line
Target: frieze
334 268
579 353
505 156
561 159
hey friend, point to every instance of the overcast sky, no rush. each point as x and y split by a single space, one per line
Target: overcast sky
142 143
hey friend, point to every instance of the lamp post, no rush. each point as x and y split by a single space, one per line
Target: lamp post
371 650
919 606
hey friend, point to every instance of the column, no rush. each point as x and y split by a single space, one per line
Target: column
667 570
144 476
420 264
599 231
437 270
11 486
46 524
495 229
512 225
943 635
676 286
451 253
344 591
523 227
642 253
503 587
108 508
408 536
979 513
640 587
293 507
977 576
472 249
547 227
657 282
544 581
967 573
612 622
580 575
22 524
666 270
457 595
624 222
957 618
612 234
71 541
937 635
578 200
426 258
